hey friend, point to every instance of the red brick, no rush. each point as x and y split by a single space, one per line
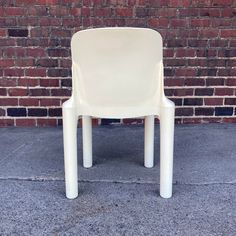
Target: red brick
39 92
174 82
35 52
185 72
28 102
229 119
3 92
25 2
60 92
213 101
47 2
180 52
28 82
17 92
168 52
3 32
49 102
36 72
210 12
24 62
6 122
75 11
49 82
25 122
8 102
46 122
163 22
228 33
209 33
230 101
194 82
215 81
200 23
175 23
180 3
224 91
184 12
6 63
14 72
231 82
14 11
228 12
124 12
221 2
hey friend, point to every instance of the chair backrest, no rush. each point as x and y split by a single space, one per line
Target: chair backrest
116 66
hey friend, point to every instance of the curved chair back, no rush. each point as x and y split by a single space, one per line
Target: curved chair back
116 67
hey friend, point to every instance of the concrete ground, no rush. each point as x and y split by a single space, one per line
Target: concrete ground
118 196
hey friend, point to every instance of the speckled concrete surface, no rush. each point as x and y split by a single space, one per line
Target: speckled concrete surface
118 196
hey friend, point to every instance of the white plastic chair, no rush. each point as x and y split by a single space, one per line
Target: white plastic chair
117 73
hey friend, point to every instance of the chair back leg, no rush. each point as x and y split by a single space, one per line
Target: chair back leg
87 141
149 141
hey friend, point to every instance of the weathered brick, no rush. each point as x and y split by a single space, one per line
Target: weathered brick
184 111
204 111
224 111
2 112
39 92
194 82
38 112
58 72
230 101
3 91
47 62
16 112
204 91
193 101
60 92
18 32
55 112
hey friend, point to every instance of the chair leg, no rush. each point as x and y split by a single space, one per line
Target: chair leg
149 142
70 121
166 151
87 141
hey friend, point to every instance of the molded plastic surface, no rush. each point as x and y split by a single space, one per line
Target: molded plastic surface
117 73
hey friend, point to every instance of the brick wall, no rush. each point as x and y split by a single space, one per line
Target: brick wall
199 54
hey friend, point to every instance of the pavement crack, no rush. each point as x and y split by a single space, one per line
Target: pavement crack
51 179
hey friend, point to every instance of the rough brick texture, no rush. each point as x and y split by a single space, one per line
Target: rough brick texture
199 55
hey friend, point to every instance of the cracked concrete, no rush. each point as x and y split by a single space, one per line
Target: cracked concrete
118 196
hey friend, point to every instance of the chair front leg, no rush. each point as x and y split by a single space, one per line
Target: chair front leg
70 121
149 142
166 150
87 141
